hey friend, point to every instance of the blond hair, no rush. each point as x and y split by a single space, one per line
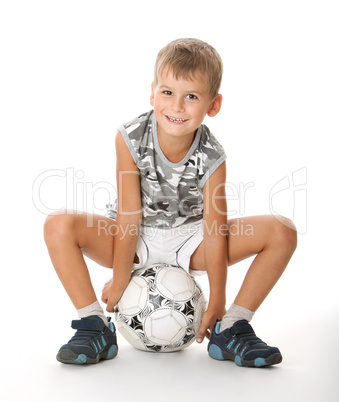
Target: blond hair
186 57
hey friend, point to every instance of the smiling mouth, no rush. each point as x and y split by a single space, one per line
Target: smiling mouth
175 120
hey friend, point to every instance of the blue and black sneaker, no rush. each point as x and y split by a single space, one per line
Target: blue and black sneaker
240 344
92 342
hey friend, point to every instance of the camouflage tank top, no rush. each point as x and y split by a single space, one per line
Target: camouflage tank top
171 193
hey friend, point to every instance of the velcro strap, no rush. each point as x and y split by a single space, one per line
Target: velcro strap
241 327
88 325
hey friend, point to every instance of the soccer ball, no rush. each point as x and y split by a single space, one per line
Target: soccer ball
161 309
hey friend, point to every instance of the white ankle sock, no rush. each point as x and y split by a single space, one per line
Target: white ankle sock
93 309
235 313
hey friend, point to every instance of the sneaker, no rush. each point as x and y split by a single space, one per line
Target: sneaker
92 342
240 344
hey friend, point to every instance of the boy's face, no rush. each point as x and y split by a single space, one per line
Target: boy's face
180 105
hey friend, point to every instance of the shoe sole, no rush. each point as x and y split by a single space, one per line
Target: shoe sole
216 353
67 356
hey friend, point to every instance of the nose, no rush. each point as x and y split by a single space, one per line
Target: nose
178 105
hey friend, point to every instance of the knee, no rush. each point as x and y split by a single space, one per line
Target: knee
58 225
284 233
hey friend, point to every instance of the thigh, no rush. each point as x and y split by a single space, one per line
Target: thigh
96 240
246 237
92 233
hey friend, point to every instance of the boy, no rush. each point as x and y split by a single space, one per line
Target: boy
171 176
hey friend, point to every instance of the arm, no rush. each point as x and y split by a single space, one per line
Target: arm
215 248
127 224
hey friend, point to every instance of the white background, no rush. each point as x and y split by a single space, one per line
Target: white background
71 73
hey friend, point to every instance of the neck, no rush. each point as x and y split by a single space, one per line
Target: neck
175 149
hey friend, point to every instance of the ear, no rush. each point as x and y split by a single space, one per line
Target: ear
152 95
215 106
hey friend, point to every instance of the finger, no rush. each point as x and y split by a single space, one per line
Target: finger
201 333
110 305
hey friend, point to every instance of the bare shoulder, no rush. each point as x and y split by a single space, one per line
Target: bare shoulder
124 158
217 179
128 179
214 193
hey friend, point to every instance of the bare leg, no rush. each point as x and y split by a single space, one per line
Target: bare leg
272 240
69 236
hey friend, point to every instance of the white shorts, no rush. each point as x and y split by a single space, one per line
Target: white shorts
171 246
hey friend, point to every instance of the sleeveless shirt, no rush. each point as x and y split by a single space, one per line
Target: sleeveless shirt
171 193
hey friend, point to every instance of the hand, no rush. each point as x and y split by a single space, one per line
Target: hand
111 296
208 320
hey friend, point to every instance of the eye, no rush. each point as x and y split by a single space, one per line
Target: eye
191 96
167 93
